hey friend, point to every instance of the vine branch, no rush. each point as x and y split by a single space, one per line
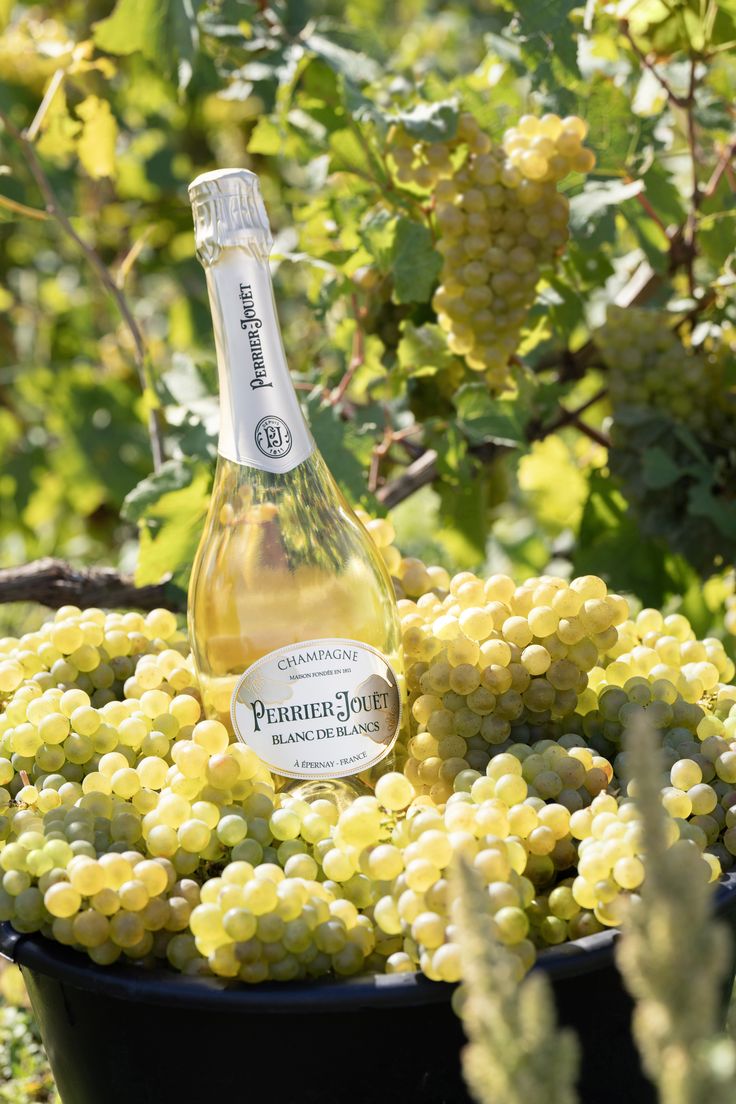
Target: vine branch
55 210
54 583
722 166
423 470
357 358
661 80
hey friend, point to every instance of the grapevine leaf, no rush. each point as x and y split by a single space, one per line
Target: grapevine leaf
551 479
265 138
186 382
548 33
96 145
348 153
484 418
339 443
59 130
663 194
377 233
415 264
171 476
659 469
100 453
451 448
595 201
611 545
464 507
614 129
682 25
170 530
703 503
423 350
355 66
431 122
159 29
649 235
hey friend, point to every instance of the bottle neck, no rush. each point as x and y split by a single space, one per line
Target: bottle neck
261 423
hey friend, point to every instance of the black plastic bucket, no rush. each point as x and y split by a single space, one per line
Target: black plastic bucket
121 1034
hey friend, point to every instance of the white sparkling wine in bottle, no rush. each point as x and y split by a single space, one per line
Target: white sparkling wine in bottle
292 616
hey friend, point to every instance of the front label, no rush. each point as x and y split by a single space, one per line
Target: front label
318 709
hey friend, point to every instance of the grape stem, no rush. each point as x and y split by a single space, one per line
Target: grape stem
691 224
55 210
677 101
722 166
54 583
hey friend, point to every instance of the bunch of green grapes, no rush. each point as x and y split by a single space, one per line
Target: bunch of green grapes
96 652
500 219
650 367
659 646
485 658
674 402
133 827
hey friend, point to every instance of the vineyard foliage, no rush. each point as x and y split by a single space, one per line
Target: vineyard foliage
577 407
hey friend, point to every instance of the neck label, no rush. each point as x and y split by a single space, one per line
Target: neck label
318 709
261 424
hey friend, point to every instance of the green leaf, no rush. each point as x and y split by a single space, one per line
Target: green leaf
430 122
596 199
340 446
162 30
611 544
355 66
377 232
451 448
96 145
690 26
170 531
659 469
615 132
703 503
186 382
59 130
464 513
172 476
423 350
265 138
548 31
415 262
484 418
348 153
552 481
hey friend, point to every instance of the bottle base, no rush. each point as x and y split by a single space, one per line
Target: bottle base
341 791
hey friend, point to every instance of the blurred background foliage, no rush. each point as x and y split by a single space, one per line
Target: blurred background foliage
108 420
112 109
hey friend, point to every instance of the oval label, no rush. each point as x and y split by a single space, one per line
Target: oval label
318 709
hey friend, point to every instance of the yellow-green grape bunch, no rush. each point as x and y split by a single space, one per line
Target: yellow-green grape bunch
93 651
484 657
133 827
649 366
658 646
500 218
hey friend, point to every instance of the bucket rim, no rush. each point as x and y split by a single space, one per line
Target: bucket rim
163 987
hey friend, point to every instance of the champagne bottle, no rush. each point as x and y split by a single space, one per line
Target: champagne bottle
292 616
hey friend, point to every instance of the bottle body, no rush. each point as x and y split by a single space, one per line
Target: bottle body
282 559
292 617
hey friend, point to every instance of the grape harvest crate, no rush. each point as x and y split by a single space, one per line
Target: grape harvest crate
118 1033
